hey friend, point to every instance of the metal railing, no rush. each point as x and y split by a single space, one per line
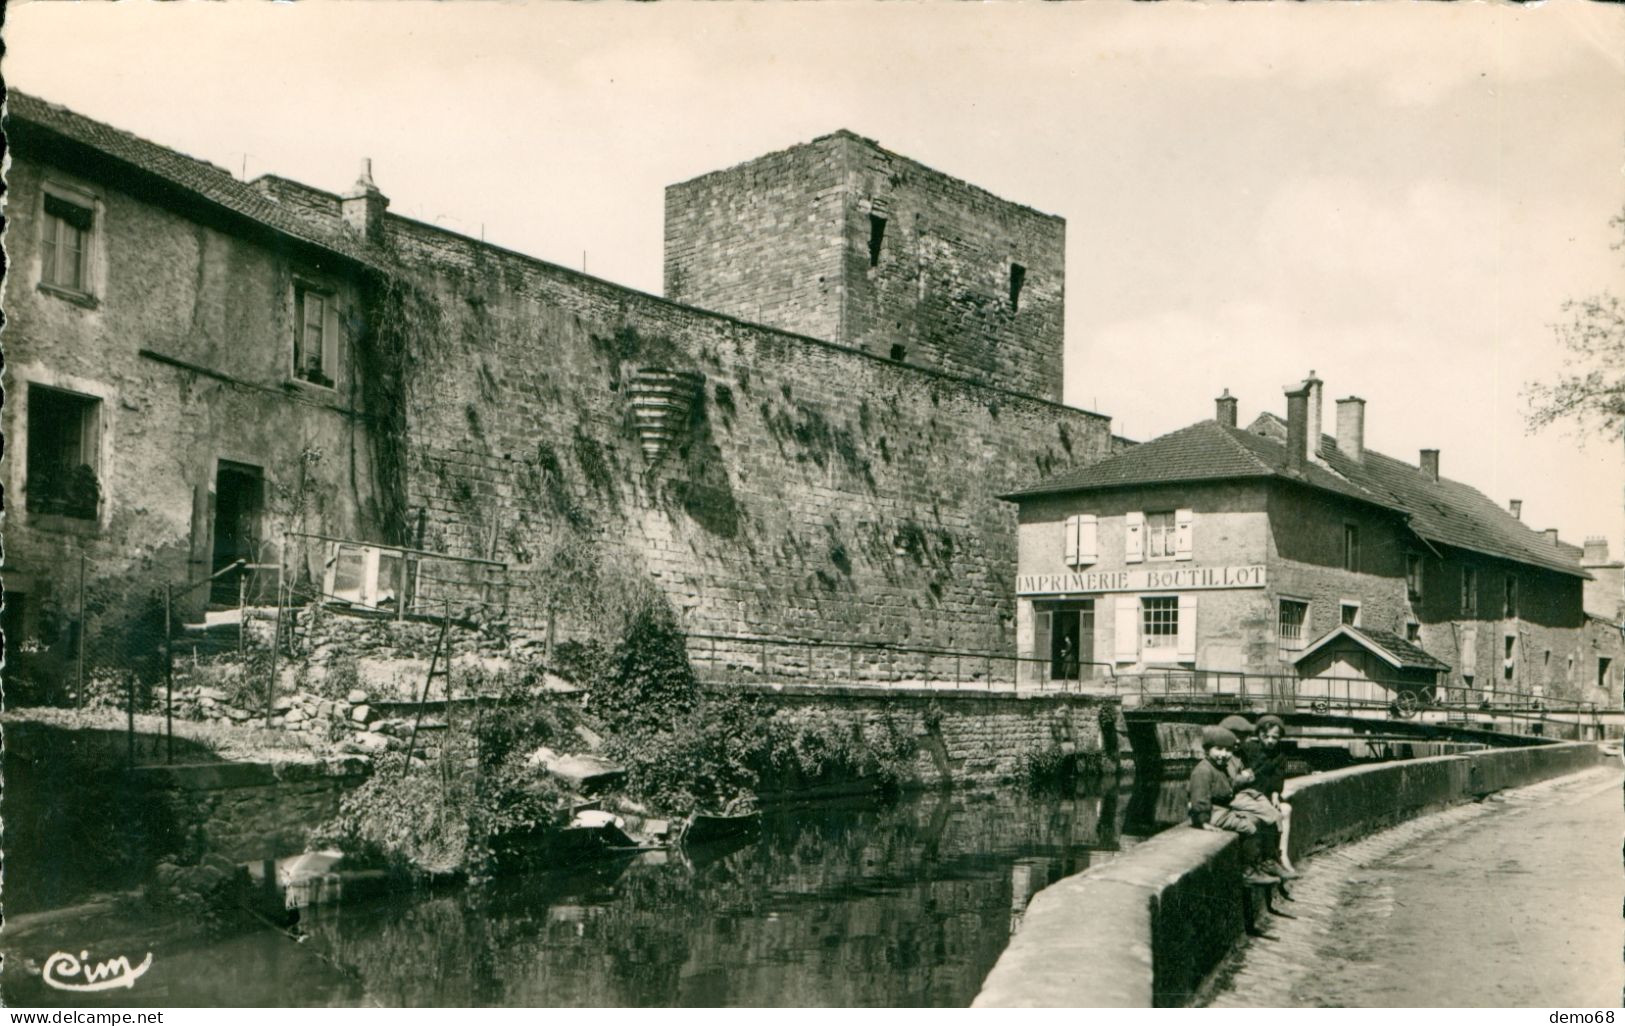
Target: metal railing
723 659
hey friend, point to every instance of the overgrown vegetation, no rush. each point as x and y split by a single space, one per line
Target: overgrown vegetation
1059 766
454 813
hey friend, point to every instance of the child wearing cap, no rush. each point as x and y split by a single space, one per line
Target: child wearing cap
1211 793
1251 797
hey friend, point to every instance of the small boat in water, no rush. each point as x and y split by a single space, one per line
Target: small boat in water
704 827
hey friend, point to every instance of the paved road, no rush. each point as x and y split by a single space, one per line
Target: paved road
1512 902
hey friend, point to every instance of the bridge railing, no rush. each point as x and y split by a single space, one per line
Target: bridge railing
744 660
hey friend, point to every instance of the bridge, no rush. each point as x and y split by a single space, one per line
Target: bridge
1328 707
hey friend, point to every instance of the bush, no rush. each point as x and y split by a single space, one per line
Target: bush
710 756
452 814
648 683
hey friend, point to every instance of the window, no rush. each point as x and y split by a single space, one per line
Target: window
65 244
1509 607
315 342
63 445
877 236
1413 575
1603 665
1511 663
1469 591
1351 547
1160 542
1159 623
1349 613
1292 624
1018 278
1413 632
1080 545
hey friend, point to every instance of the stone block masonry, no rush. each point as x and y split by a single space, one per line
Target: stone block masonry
815 491
843 240
965 738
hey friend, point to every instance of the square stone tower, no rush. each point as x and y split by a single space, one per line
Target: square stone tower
845 241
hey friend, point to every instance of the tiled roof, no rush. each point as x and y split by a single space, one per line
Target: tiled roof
200 178
1445 512
1205 451
1391 646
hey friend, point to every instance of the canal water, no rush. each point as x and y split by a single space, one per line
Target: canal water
838 904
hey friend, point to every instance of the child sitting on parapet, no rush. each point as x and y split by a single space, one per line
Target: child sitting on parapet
1210 795
1248 763
1269 776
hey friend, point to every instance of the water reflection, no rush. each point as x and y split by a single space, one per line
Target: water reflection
846 905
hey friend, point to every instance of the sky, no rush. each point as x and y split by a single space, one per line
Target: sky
1397 196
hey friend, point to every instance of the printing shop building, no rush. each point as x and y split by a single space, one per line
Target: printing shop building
1229 549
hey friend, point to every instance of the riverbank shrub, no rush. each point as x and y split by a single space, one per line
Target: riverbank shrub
1059 765
647 683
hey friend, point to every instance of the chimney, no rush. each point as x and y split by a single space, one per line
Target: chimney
363 206
1297 428
1225 409
1313 427
1430 464
1596 551
1515 506
1551 534
1351 427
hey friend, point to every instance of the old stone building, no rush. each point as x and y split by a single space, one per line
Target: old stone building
200 366
182 383
1278 550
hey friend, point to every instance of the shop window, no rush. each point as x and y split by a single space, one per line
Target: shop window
1159 625
1351 547
1509 605
315 338
1293 625
65 244
1469 591
63 445
1349 613
1413 576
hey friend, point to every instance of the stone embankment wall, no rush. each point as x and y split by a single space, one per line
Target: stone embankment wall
1148 928
966 738
241 811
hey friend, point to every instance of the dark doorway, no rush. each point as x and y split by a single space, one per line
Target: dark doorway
1072 640
239 500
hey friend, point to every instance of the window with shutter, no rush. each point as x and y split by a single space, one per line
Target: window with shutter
1081 548
1187 628
1126 630
315 340
1038 659
1134 537
1184 521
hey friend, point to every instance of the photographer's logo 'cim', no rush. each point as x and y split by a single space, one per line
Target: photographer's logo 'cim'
64 972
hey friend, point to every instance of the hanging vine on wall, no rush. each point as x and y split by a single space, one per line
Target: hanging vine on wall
403 318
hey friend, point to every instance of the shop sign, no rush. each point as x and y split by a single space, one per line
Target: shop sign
1202 578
